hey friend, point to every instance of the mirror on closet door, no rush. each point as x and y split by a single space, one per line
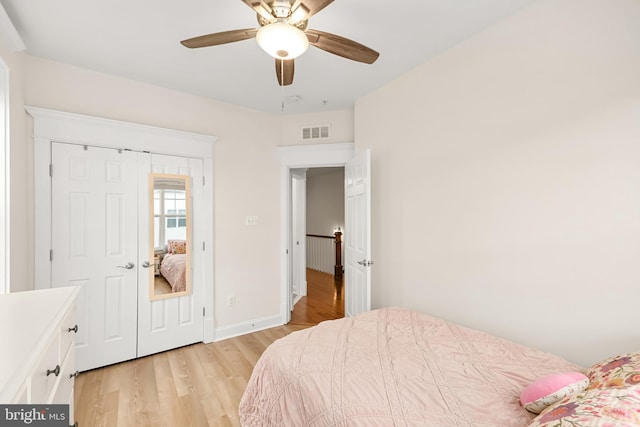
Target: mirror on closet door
170 223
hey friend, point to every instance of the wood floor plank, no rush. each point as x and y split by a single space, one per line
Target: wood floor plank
250 348
166 389
108 415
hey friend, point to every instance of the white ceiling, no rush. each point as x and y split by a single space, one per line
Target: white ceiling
139 39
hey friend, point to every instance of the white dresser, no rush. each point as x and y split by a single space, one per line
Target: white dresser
37 332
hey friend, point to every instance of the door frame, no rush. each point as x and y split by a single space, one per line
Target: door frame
298 157
57 126
5 166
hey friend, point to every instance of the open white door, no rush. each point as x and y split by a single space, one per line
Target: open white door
94 243
298 233
357 245
172 321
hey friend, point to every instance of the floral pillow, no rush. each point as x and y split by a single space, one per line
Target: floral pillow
611 400
617 371
177 246
595 407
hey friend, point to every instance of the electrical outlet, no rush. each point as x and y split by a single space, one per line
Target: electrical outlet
231 301
251 220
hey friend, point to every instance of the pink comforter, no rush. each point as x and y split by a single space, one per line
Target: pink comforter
174 269
393 367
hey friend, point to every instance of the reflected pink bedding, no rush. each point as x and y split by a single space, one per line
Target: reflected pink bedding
174 268
393 367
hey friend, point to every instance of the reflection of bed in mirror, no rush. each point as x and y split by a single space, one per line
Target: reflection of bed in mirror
172 269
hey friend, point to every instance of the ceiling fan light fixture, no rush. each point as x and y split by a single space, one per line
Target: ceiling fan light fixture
282 41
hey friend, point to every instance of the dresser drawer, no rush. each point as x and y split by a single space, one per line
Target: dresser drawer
32 343
68 330
22 397
41 383
64 392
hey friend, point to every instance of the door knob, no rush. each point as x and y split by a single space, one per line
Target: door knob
129 265
365 263
147 265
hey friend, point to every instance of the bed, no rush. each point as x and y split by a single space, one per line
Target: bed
174 268
396 367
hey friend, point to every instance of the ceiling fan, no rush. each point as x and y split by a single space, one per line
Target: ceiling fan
283 34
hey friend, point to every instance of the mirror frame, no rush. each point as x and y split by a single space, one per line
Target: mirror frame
152 250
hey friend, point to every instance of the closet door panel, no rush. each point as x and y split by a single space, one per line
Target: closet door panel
94 243
171 321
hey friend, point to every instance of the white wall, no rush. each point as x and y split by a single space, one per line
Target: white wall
325 200
507 180
21 212
246 171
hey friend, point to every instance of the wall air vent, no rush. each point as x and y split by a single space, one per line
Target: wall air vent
312 133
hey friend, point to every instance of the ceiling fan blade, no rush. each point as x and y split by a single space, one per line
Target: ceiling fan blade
261 8
311 6
341 46
220 38
284 71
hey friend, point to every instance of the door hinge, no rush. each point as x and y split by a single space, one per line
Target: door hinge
50 254
203 246
203 310
51 170
203 180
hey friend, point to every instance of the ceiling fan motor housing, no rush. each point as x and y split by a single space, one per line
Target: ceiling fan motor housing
281 8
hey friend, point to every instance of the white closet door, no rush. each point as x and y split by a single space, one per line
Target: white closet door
94 240
176 321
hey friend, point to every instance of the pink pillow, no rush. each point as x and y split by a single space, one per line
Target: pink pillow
550 389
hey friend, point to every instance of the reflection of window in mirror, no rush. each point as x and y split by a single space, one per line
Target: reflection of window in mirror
169 216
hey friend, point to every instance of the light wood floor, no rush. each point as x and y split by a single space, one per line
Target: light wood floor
196 385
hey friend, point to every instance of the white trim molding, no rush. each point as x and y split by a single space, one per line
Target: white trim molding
56 126
230 331
5 174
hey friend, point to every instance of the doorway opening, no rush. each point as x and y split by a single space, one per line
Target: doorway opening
293 159
317 231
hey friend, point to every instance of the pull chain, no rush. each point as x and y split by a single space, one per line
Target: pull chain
282 85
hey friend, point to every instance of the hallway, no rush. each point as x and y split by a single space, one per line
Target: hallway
324 300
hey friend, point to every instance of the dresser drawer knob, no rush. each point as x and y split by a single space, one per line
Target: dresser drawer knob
54 371
74 375
74 329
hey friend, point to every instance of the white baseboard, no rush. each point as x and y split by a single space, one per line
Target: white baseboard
230 331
